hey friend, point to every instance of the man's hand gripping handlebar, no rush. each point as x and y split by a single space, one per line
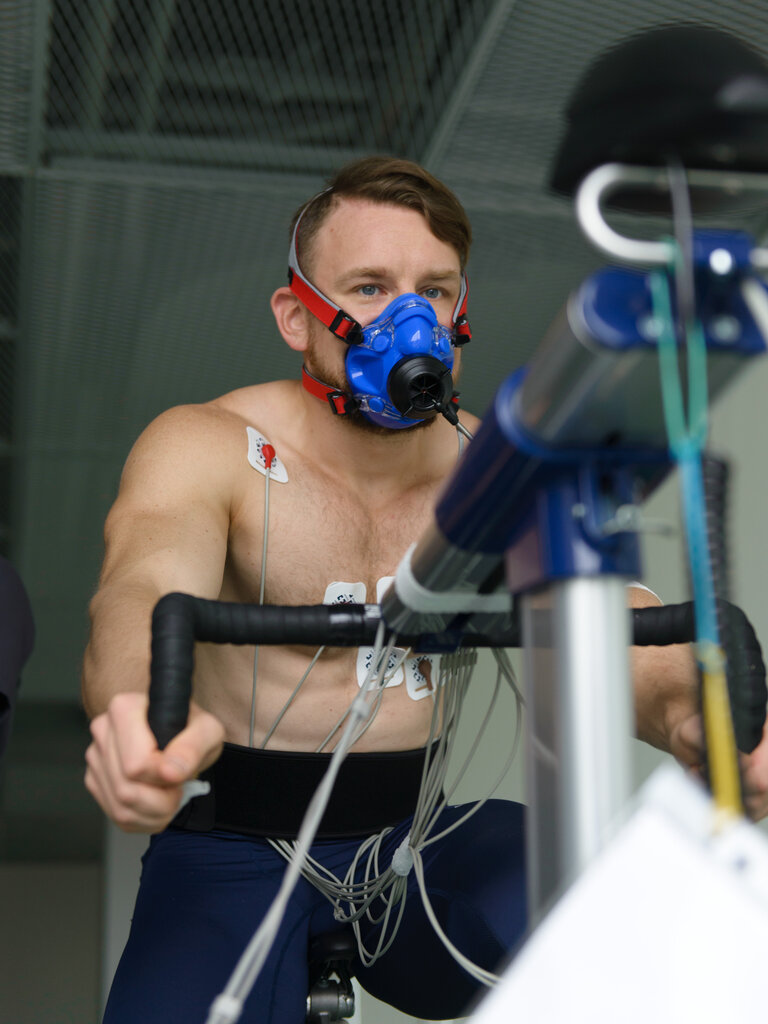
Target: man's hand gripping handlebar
138 782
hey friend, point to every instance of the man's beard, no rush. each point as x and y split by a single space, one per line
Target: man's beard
355 417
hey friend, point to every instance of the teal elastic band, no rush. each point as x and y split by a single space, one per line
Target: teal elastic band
686 441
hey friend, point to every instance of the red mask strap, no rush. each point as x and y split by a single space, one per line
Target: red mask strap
461 330
327 312
340 402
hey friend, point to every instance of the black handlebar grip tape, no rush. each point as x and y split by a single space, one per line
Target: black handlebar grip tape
179 619
177 616
746 677
170 685
674 624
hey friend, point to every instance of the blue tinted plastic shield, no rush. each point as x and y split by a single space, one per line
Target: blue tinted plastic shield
405 329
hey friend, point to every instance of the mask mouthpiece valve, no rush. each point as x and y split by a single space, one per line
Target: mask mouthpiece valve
420 386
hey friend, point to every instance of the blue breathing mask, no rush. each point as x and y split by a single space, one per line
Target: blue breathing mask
400 372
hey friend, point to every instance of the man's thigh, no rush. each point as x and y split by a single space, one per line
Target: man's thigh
200 900
475 880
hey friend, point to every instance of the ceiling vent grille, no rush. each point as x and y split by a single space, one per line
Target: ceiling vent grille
271 85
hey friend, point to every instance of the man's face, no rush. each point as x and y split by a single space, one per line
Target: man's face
364 255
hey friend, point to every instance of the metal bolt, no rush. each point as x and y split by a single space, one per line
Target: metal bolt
725 328
650 327
720 261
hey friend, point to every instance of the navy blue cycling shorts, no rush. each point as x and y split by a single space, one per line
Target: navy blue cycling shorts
202 896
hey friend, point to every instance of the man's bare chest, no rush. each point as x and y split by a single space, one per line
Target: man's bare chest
318 534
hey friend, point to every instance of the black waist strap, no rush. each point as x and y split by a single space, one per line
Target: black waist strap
266 793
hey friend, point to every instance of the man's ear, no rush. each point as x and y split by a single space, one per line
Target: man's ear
292 318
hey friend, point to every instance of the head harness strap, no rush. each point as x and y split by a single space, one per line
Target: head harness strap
327 312
461 330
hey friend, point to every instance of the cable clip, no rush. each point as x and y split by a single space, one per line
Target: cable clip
402 860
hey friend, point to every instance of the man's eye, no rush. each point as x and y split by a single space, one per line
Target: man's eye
368 289
432 294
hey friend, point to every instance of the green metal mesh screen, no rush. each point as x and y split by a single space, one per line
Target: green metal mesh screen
265 84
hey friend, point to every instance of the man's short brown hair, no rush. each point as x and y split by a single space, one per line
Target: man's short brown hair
385 179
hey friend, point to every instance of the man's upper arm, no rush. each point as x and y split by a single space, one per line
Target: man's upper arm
167 531
640 596
168 527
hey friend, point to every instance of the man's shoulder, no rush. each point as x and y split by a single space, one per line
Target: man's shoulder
470 421
231 413
259 404
195 447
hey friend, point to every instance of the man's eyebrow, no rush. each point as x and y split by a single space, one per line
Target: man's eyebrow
437 274
442 275
358 272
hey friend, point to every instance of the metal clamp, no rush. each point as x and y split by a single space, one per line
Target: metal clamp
607 178
331 996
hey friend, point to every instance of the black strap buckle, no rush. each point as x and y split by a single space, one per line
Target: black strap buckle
341 404
461 332
354 333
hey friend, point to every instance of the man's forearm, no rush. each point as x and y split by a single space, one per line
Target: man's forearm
118 653
665 691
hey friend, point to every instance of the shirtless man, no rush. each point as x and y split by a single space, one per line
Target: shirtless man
190 517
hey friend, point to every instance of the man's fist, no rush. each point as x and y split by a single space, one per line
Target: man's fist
136 784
